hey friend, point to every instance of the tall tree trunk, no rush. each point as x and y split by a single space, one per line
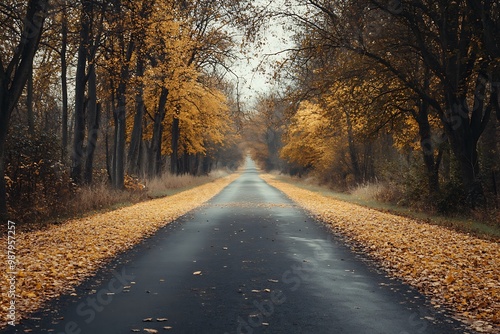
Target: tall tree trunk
120 115
119 156
486 12
113 157
109 156
489 153
4 126
353 150
466 132
93 126
155 162
126 49
13 78
174 157
136 139
489 144
134 164
426 143
463 142
64 85
78 154
29 103
427 146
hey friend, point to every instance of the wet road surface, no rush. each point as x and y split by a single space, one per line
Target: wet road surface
249 261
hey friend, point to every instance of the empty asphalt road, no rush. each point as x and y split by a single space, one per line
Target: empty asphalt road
249 261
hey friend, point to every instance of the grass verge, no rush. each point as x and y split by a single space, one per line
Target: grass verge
359 197
101 197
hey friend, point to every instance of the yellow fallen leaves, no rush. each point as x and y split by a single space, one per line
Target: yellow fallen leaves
55 260
252 205
454 269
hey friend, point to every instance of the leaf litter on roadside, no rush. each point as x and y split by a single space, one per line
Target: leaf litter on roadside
455 270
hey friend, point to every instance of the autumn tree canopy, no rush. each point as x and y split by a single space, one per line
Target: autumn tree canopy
400 92
413 76
125 88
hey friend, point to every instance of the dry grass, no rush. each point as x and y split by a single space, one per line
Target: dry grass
168 183
101 197
369 191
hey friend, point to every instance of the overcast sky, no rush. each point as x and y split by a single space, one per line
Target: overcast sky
253 81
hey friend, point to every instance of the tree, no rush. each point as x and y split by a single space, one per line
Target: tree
167 41
309 139
444 37
64 83
487 13
15 68
91 26
263 130
204 123
94 115
212 48
123 19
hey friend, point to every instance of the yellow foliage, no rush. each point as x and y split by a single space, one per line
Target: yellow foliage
203 118
301 140
202 110
310 140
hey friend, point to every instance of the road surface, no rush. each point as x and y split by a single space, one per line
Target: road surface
249 261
